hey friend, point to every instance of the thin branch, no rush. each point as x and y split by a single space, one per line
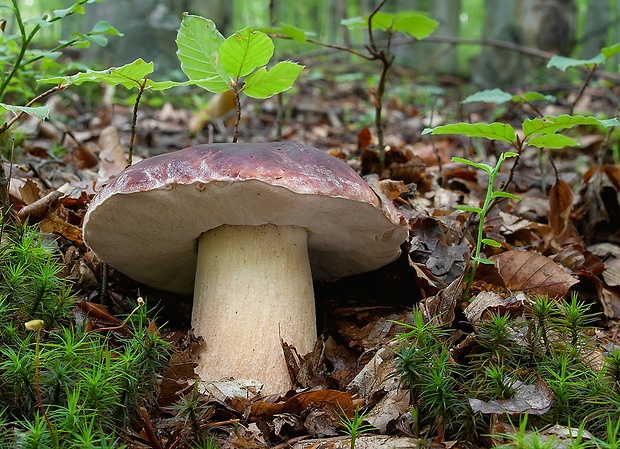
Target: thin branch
134 120
371 37
20 114
585 84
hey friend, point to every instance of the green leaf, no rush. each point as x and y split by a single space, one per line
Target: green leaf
552 141
507 154
245 51
103 27
502 194
549 125
563 63
483 260
492 131
487 168
413 23
533 96
164 85
490 96
469 209
40 112
491 242
610 51
264 84
96 39
129 76
61 13
198 41
297 34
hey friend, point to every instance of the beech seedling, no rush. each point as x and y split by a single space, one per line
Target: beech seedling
238 63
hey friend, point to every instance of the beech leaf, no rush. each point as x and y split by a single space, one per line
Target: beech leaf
561 199
532 273
492 131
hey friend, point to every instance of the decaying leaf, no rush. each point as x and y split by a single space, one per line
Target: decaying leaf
362 442
532 273
531 399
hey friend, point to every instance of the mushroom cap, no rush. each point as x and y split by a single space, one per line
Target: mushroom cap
146 222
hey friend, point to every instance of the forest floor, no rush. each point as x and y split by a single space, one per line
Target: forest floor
564 235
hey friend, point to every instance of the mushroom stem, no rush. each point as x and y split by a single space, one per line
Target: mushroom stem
253 287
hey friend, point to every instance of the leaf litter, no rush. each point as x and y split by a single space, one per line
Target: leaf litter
553 242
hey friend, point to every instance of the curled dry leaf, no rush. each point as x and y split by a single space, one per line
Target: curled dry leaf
34 212
532 273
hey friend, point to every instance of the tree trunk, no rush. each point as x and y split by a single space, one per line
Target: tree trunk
544 24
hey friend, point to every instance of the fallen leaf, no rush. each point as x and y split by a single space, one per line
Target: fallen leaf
55 225
532 273
112 154
364 139
219 105
531 399
391 189
560 206
34 212
29 191
298 403
439 310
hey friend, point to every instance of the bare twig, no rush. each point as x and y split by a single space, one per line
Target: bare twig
134 120
585 84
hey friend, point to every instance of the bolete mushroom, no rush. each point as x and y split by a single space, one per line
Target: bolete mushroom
246 227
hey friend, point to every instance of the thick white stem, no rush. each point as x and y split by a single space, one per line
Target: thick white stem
253 287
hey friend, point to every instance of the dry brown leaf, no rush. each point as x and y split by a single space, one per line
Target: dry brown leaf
55 225
612 272
84 157
218 106
391 189
297 404
30 191
532 273
34 212
561 199
364 139
439 310
112 154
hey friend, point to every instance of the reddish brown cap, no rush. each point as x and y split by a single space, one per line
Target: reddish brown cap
146 222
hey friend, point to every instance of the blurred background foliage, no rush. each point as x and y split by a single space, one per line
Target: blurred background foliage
577 28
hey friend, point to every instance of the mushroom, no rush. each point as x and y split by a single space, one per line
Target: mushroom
246 227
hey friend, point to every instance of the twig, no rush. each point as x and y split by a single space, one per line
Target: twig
583 87
134 120
20 114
